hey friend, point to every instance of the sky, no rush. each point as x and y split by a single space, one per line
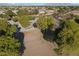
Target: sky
39 1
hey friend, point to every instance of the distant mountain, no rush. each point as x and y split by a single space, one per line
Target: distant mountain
39 4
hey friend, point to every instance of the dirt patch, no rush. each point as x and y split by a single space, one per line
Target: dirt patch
35 45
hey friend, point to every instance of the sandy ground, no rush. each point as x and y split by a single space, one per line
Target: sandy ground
35 45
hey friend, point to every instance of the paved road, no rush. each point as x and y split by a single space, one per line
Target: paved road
35 45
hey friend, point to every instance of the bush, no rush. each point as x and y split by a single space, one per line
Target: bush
24 19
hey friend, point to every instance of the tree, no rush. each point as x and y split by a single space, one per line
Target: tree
24 19
22 12
10 13
44 21
32 12
67 38
9 46
5 27
3 15
3 24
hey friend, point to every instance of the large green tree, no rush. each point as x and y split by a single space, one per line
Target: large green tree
68 38
24 19
44 21
22 12
10 13
3 24
9 46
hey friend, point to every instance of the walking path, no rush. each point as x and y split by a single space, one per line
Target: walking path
22 29
35 45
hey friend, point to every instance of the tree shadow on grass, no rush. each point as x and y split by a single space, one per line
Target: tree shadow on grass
48 35
20 37
2 32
